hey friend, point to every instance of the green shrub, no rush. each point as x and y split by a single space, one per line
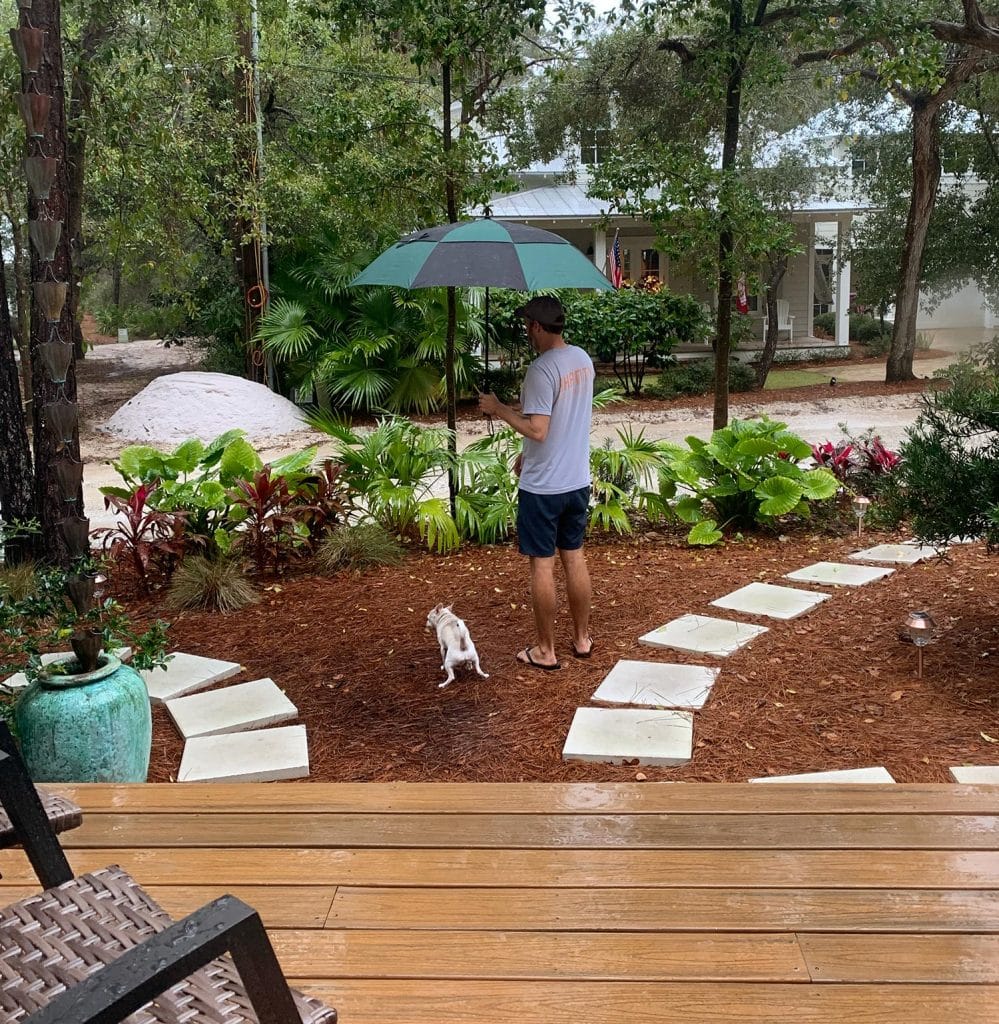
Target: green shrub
213 584
812 355
698 378
356 547
948 480
631 328
864 329
745 475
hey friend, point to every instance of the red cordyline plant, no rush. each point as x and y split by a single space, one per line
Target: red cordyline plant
144 534
838 459
265 507
877 459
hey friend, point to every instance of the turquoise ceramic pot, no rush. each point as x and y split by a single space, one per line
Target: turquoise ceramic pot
91 727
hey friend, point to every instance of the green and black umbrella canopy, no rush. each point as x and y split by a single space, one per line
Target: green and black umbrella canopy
483 253
486 254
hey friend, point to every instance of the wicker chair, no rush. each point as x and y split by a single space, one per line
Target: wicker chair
96 949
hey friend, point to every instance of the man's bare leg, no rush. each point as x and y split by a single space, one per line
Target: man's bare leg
580 593
543 603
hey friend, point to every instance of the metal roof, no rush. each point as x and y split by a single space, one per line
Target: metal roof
570 202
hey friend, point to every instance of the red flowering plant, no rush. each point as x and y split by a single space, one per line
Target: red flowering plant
837 458
142 533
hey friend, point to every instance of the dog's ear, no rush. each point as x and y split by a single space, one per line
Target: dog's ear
448 607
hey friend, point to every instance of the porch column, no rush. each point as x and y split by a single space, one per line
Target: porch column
600 249
842 284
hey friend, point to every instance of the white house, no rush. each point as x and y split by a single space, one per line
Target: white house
817 280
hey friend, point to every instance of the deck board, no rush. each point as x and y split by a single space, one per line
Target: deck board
753 869
454 904
482 1002
544 831
609 956
575 798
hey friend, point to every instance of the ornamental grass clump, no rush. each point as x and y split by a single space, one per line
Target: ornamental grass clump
357 547
213 584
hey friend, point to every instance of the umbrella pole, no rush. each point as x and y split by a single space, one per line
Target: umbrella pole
485 379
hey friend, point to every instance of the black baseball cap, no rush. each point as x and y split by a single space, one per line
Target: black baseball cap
545 310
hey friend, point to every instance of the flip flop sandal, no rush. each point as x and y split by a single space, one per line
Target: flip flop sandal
528 660
582 654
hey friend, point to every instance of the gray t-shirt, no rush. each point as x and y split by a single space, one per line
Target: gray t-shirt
559 384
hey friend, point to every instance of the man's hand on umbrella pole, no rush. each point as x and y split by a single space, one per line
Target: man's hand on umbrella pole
488 404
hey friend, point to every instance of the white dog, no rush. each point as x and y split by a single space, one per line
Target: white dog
456 644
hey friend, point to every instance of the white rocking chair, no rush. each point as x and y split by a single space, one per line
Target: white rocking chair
785 322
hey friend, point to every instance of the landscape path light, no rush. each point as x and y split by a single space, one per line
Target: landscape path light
920 628
860 509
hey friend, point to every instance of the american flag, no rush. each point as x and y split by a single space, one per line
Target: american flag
616 271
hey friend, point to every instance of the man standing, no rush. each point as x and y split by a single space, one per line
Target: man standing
553 509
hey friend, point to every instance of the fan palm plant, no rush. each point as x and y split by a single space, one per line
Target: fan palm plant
364 348
394 469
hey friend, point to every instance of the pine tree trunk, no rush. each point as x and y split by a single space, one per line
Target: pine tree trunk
81 91
50 503
925 185
16 479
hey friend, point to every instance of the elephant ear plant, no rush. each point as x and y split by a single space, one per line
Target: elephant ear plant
746 475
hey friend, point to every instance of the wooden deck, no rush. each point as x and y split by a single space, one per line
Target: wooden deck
568 904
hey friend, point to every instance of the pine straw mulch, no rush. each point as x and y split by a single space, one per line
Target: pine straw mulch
834 689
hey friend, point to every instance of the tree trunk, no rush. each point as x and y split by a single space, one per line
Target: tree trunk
925 185
450 388
16 478
22 294
81 93
778 268
50 504
726 237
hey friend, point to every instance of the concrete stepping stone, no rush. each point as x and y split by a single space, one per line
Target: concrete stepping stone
18 681
233 709
653 684
839 574
842 775
185 673
611 735
264 756
899 554
772 601
703 634
976 774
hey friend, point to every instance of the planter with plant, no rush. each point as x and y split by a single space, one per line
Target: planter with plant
85 716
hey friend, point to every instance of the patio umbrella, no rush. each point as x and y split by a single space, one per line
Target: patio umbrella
483 253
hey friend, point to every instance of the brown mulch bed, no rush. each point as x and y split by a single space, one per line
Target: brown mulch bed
834 689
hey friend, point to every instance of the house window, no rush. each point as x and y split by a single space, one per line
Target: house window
858 166
752 300
818 308
594 146
650 265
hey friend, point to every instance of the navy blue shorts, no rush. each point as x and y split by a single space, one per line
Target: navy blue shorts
549 521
